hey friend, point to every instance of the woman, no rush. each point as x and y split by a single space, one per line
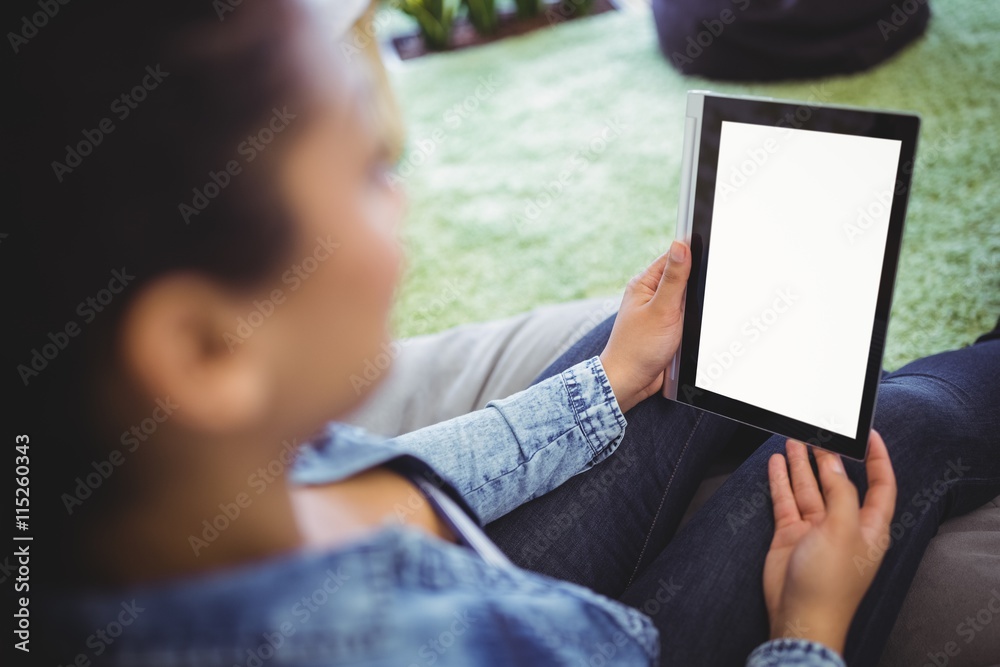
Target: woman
241 219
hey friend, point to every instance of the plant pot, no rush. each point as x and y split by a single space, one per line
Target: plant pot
464 35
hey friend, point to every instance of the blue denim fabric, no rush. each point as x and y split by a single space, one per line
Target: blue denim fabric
401 597
498 458
615 530
793 653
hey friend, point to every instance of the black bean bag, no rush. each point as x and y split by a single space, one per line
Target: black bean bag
768 40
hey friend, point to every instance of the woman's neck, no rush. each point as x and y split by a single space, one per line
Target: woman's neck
212 515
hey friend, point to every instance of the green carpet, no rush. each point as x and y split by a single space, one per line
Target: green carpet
485 239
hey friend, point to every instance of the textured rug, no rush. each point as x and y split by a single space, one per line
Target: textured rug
545 168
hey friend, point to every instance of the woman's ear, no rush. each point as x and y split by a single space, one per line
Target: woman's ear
174 344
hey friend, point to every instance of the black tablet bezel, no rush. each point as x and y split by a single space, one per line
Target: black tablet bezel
858 122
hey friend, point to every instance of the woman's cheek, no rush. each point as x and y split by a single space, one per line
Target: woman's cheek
393 266
386 259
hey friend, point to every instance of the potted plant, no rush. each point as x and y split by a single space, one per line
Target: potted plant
435 18
566 9
527 8
482 15
458 24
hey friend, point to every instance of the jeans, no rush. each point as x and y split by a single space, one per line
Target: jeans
614 528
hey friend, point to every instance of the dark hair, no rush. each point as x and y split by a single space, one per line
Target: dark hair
197 85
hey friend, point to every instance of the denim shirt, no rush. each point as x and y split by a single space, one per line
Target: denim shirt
399 596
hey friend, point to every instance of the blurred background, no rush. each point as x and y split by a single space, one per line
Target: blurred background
540 149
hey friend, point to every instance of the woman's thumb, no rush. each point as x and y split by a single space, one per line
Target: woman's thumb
670 291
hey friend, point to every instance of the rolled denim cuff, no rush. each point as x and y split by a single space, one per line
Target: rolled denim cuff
596 409
794 653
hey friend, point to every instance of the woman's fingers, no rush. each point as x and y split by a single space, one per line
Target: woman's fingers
650 278
838 490
880 498
670 292
786 511
807 493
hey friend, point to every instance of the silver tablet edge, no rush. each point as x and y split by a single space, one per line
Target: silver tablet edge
685 204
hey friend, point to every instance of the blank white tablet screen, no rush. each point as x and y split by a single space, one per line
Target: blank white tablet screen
798 234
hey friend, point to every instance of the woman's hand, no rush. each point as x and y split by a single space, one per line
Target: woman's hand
812 581
647 330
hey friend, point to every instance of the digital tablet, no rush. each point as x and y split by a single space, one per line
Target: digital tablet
794 215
